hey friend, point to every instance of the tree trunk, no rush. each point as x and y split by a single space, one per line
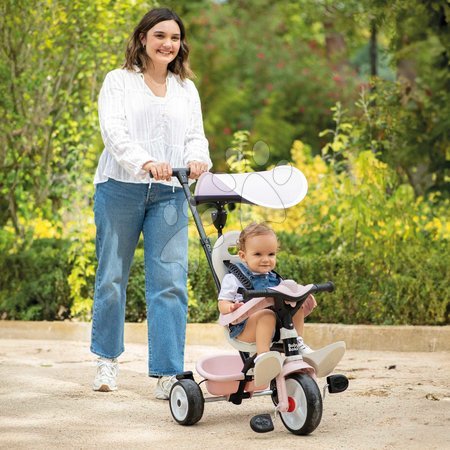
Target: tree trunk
406 67
335 45
373 49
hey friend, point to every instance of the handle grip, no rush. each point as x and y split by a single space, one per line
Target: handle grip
324 287
176 171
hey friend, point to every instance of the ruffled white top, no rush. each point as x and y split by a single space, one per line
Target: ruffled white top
137 126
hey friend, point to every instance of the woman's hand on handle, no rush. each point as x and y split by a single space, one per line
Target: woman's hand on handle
197 168
161 171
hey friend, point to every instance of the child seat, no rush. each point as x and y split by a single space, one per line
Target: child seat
220 253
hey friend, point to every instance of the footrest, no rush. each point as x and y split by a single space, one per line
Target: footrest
325 359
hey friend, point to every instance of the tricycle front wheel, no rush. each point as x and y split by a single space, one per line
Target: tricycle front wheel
305 404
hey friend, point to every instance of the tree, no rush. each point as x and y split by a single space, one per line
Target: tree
263 67
54 56
410 119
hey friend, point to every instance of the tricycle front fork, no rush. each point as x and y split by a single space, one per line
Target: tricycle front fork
292 364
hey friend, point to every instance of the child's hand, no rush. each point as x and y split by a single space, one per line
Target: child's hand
235 306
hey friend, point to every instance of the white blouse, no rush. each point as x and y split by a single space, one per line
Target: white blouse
229 289
137 126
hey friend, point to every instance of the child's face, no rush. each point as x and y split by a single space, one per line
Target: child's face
260 253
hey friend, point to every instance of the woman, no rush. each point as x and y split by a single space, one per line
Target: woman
151 121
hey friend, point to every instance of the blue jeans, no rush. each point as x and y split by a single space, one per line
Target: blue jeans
122 212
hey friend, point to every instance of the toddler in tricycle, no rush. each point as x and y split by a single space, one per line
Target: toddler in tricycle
262 314
258 247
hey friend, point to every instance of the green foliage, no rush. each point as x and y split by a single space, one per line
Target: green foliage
360 226
54 56
286 63
81 256
399 123
356 202
136 306
204 308
273 68
239 155
407 288
265 68
34 285
375 219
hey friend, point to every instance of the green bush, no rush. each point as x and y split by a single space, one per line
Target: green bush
204 308
411 288
136 305
408 287
33 285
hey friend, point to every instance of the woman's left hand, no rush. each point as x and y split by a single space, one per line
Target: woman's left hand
197 168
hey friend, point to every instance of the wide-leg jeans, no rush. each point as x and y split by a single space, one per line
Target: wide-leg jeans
122 211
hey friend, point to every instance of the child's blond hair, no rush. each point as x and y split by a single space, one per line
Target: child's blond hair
254 229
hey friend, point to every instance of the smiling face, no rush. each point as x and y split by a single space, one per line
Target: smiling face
260 253
162 42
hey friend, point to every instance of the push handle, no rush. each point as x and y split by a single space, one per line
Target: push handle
181 171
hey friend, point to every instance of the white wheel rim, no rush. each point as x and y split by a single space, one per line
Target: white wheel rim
295 419
179 403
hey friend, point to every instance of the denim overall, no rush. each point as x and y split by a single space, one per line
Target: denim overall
259 282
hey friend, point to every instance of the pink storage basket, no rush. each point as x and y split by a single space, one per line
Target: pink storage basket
223 374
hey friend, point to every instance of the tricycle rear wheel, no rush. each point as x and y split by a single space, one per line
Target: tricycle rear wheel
186 402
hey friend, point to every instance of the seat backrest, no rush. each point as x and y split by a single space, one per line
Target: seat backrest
221 252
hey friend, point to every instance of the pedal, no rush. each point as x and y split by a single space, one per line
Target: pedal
262 423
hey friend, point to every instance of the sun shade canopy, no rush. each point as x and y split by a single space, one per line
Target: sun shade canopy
279 188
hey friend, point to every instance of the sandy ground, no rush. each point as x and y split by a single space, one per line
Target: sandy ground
394 401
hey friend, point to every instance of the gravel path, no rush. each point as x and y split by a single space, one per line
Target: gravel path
395 401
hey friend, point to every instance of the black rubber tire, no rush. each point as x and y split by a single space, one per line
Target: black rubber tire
186 402
308 413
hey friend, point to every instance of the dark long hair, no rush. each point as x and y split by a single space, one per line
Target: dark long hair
135 54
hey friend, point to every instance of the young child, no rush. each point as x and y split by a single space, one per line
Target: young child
258 247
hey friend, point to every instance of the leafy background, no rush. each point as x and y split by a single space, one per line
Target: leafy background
353 93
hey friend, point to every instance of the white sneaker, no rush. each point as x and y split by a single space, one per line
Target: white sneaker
303 348
164 386
107 370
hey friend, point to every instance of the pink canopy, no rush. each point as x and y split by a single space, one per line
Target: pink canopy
279 188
